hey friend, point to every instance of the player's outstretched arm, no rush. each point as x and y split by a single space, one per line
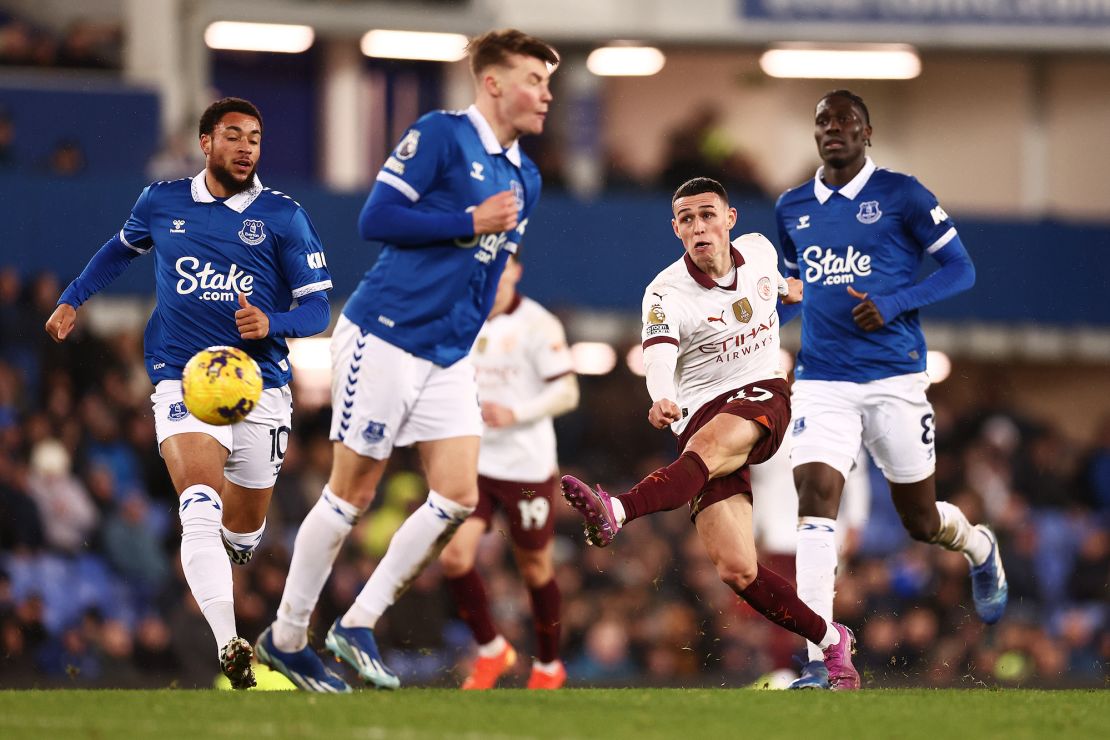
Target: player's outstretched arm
106 265
311 316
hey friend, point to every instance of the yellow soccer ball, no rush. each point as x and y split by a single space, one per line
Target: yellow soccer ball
221 385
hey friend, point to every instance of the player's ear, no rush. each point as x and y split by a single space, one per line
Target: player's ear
674 225
733 217
205 144
491 84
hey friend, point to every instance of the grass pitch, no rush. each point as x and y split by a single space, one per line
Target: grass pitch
694 714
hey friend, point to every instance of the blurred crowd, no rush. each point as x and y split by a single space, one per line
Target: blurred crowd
91 593
83 44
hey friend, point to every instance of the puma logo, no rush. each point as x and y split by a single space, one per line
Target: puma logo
720 318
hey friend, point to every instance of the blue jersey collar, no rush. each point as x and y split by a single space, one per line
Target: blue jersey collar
489 139
823 192
237 202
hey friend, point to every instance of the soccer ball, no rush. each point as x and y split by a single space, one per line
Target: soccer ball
221 385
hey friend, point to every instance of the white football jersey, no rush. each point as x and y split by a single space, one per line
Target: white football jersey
515 355
727 336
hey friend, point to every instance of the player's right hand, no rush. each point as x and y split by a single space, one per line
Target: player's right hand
663 412
61 322
496 214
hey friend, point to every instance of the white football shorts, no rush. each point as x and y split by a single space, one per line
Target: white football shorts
891 417
383 397
256 446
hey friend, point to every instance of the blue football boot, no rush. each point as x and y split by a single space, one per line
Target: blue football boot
988 582
304 667
814 676
357 648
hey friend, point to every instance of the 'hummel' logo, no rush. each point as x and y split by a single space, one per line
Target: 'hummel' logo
178 226
803 222
476 172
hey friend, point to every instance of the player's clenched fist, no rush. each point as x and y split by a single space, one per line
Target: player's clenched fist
663 412
250 320
496 213
61 322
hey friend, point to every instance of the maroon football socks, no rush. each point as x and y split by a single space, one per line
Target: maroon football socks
667 488
469 592
546 605
772 596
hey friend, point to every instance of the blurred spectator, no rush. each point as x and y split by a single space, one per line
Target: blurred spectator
7 141
84 44
67 159
703 147
68 513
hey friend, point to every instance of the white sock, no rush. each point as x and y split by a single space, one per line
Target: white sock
816 571
318 542
832 637
244 541
547 668
618 510
493 648
204 561
956 533
417 542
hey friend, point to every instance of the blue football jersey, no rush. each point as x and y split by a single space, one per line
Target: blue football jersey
430 300
872 235
206 251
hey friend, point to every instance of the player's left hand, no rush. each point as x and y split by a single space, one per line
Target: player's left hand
865 314
251 321
497 416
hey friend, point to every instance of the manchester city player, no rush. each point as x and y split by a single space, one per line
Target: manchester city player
450 204
230 258
856 235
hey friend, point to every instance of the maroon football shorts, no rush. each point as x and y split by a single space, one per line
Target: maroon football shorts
527 506
766 402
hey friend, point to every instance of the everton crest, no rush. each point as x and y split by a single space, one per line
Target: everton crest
869 212
252 232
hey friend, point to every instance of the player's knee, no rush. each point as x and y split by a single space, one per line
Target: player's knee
535 571
737 573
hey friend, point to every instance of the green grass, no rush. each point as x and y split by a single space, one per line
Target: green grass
511 713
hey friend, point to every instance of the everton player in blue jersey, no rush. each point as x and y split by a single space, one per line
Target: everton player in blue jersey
230 258
856 234
450 204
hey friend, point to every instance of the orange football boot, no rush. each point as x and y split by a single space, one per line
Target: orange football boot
544 680
486 671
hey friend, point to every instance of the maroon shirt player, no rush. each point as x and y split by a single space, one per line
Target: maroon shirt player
711 356
525 377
